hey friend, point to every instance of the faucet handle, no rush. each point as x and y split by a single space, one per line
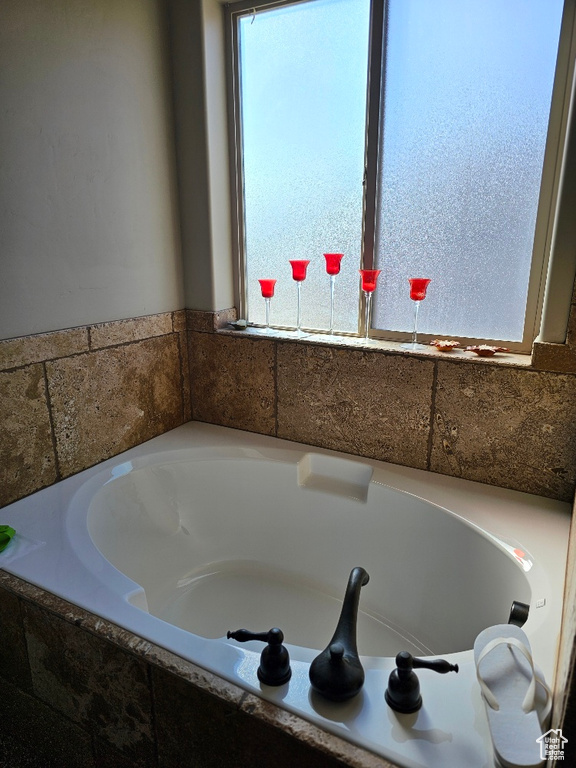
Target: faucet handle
245 635
403 692
436 665
274 666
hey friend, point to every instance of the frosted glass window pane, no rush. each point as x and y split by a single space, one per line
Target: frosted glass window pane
303 73
467 89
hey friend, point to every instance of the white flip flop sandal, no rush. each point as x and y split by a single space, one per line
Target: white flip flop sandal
518 701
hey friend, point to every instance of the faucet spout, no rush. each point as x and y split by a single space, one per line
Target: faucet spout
337 673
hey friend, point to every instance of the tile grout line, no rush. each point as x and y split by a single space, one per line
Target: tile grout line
57 468
275 389
432 415
153 715
181 357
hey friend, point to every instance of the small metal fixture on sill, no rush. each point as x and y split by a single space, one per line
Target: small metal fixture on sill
238 325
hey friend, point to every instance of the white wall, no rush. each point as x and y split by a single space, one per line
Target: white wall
88 217
201 125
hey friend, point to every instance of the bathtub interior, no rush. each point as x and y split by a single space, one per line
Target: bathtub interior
221 542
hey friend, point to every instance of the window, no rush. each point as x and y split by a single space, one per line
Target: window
409 136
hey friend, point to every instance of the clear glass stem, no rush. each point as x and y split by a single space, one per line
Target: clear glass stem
367 315
415 331
298 317
267 303
332 280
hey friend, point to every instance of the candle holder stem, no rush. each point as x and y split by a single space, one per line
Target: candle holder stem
418 286
298 316
267 303
415 331
368 309
332 281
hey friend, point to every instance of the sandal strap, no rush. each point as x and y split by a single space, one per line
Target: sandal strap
548 706
528 703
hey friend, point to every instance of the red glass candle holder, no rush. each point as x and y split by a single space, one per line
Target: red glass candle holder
418 286
299 267
267 288
332 268
333 262
369 279
299 270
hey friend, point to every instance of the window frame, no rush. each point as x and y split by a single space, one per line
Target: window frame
552 168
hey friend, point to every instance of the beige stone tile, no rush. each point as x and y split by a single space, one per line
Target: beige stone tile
12 641
365 403
558 357
188 715
34 736
179 322
43 346
208 322
185 372
23 588
224 316
554 357
232 381
265 742
92 682
27 460
109 400
202 322
132 329
515 429
319 748
200 678
219 735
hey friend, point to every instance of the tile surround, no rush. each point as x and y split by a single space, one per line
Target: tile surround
36 736
134 329
368 404
106 401
15 669
506 427
25 350
232 383
72 398
91 682
27 458
69 399
558 357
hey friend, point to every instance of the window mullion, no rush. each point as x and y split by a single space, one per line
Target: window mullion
373 130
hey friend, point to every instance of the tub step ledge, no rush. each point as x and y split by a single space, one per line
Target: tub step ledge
137 598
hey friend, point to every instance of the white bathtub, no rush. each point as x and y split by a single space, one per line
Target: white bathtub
206 529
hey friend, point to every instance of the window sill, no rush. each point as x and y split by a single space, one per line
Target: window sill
555 358
378 345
